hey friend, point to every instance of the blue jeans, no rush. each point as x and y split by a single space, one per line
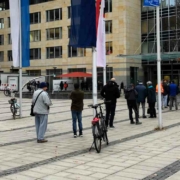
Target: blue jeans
77 115
41 125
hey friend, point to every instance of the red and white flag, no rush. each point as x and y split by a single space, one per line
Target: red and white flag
101 36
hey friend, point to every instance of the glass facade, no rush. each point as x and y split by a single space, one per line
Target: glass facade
169 27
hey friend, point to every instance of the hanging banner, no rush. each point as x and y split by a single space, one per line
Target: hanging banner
151 3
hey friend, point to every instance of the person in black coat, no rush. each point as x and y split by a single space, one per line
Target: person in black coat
110 92
165 94
61 85
131 95
151 99
142 93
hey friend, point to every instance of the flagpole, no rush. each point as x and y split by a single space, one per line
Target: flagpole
94 80
20 63
159 68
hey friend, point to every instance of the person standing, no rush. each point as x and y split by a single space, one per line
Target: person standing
142 93
82 85
173 92
61 85
41 111
131 95
151 99
65 86
77 97
122 87
162 91
165 94
110 92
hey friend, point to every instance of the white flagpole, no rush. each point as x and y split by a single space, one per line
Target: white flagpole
94 80
159 68
20 63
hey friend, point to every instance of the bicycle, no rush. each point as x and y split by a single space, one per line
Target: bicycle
14 106
99 129
7 91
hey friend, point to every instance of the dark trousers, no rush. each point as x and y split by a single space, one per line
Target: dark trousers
110 109
173 99
152 109
132 105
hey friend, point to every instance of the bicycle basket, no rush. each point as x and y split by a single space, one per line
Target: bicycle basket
95 120
11 101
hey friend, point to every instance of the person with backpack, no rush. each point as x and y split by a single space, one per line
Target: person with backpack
131 95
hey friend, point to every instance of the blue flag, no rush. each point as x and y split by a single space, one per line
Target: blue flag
151 3
25 33
83 24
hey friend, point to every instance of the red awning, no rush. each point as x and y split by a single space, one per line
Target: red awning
76 74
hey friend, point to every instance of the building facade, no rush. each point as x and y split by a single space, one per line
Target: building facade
49 37
170 39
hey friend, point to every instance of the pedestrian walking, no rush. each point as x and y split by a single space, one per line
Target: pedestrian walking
77 97
151 99
173 92
122 87
82 85
131 95
61 85
142 93
165 93
162 91
110 92
65 86
41 111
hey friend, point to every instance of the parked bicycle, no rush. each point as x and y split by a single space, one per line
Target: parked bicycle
7 91
14 106
99 129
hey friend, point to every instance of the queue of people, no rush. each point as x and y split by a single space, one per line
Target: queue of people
135 95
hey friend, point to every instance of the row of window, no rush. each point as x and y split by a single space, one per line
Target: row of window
56 52
52 33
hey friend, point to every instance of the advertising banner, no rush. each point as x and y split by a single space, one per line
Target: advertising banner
151 2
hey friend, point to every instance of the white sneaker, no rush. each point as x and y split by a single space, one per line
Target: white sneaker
75 136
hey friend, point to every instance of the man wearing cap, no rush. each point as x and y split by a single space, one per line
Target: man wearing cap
110 92
41 111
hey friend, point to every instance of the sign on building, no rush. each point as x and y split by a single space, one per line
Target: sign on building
151 3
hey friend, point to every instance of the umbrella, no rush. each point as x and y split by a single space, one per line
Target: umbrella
76 74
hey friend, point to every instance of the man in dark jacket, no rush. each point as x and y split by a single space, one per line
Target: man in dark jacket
151 99
131 95
142 93
77 97
165 94
173 92
110 92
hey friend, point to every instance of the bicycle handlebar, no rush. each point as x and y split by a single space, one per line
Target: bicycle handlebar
99 104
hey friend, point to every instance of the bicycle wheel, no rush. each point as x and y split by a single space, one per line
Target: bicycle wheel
13 110
105 137
97 138
7 92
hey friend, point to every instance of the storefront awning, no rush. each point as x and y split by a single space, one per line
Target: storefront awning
153 57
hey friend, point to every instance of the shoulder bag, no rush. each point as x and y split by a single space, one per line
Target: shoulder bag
32 105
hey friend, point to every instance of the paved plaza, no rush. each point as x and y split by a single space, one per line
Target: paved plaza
134 152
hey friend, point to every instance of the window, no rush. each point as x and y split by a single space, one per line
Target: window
35 18
10 58
69 12
33 72
69 31
76 52
54 52
1 23
4 5
9 22
35 36
35 53
54 33
54 15
108 27
108 6
1 55
76 70
1 39
31 2
151 25
109 48
9 39
144 27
